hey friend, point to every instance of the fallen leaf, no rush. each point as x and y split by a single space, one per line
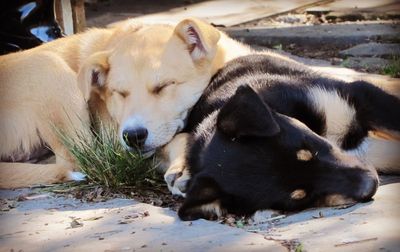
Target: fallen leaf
76 224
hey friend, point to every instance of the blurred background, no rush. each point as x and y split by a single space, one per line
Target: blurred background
363 35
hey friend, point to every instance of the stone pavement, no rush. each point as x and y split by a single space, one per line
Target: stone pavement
49 223
45 222
340 35
372 226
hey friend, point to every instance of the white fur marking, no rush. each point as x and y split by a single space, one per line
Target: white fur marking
338 113
77 176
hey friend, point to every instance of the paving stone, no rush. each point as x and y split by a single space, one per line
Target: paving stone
366 63
373 50
341 35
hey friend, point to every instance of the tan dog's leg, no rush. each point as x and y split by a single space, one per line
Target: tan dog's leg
174 164
14 175
34 106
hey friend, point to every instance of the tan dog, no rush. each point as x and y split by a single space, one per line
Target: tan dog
144 78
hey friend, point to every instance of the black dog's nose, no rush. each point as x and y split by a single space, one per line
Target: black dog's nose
368 187
135 138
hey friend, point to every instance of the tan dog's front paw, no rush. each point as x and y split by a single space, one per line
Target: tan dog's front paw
177 179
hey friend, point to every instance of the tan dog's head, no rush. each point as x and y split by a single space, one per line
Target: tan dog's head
149 77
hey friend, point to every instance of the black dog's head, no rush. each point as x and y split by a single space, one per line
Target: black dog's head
247 157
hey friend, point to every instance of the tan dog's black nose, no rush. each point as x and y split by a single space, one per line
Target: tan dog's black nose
135 138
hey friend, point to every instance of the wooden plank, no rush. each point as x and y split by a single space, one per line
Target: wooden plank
66 11
78 15
227 12
346 6
58 13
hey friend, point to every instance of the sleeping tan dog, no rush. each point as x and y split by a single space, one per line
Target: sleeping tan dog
143 78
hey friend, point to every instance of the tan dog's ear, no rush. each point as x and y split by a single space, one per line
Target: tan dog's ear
200 37
93 73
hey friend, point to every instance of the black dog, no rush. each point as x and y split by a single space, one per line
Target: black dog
270 133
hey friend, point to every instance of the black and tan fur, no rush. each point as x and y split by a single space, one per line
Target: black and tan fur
270 133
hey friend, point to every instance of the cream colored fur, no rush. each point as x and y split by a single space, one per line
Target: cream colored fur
115 73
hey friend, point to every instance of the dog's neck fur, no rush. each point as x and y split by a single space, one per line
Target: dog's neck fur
228 49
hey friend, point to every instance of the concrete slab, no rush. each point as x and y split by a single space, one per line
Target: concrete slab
340 35
372 226
50 223
381 50
391 6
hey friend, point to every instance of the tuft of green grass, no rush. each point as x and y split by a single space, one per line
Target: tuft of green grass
345 63
299 248
106 162
278 47
393 68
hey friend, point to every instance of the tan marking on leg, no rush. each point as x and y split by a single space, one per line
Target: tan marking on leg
298 194
304 155
337 199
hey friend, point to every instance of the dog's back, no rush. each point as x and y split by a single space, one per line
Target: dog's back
328 106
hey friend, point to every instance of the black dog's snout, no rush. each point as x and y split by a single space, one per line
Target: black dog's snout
136 137
368 187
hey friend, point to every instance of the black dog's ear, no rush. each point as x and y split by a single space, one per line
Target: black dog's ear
245 114
202 200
